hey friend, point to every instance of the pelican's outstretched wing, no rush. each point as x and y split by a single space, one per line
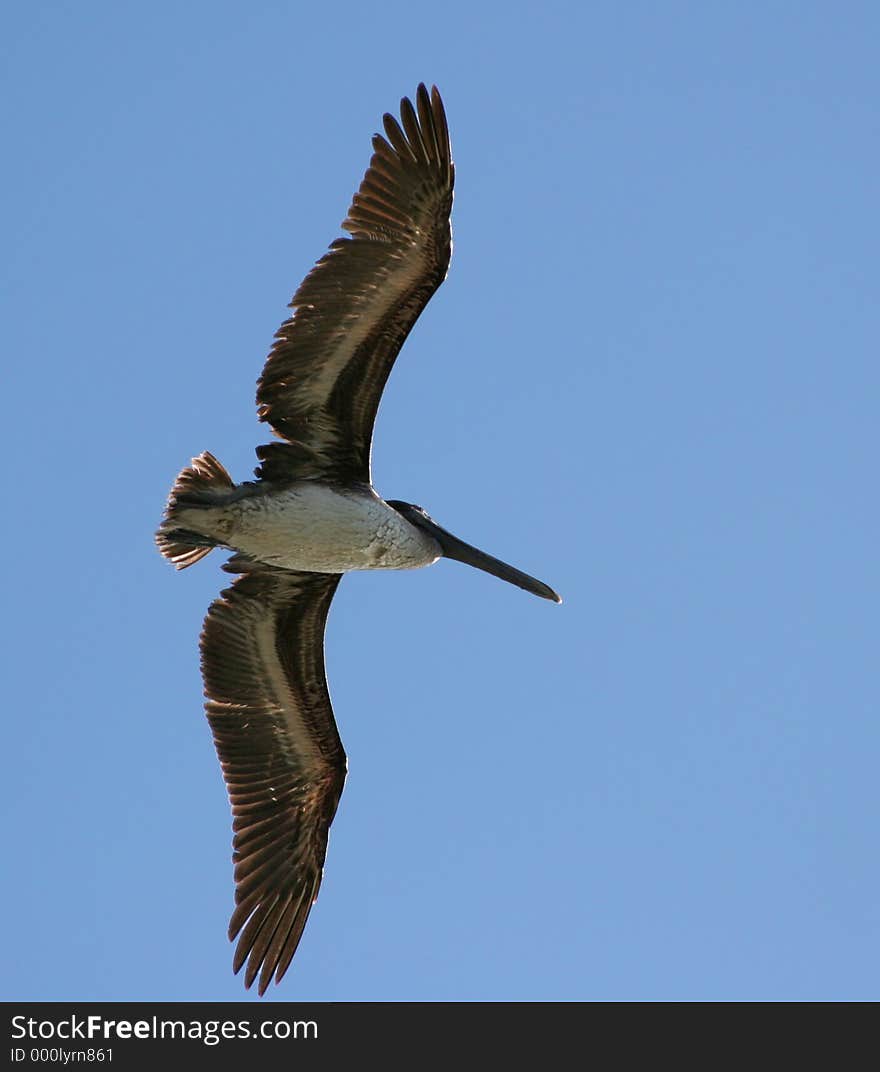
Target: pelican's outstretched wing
322 382
269 709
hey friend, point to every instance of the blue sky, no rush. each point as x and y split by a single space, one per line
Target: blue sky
651 379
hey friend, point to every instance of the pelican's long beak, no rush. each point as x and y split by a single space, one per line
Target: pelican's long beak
453 547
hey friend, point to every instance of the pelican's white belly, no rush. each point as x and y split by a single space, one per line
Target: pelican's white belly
314 527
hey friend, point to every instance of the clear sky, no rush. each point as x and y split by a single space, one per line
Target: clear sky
651 379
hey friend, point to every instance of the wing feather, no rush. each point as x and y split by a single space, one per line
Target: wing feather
322 382
283 763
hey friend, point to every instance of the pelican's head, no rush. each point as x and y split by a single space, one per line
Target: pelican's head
452 547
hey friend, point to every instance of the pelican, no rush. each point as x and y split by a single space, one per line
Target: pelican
311 515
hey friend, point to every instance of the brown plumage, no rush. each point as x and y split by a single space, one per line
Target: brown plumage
322 382
269 709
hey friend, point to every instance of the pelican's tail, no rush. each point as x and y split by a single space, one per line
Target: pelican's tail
196 485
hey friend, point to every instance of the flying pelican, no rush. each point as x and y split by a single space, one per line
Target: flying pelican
311 515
